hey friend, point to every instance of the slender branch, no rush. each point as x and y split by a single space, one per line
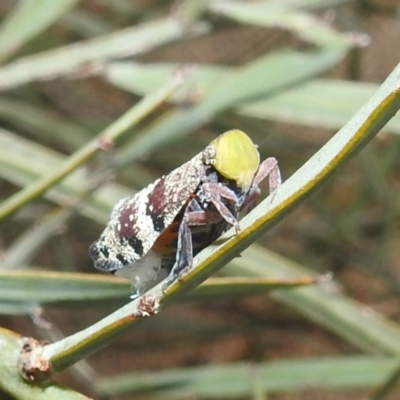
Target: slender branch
102 141
349 140
388 386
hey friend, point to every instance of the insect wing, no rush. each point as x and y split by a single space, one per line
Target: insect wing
138 221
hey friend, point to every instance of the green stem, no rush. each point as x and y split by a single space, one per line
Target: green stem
389 386
102 141
350 139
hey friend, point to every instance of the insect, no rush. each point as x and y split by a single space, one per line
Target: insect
156 233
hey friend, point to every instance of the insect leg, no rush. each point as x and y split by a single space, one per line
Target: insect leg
194 215
214 192
197 216
268 168
184 251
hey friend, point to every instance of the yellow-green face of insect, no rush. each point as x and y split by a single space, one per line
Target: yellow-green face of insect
237 157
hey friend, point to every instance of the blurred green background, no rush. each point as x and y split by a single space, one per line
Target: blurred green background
290 73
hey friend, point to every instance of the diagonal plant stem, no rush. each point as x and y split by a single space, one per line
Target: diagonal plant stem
347 142
88 56
101 142
16 30
28 244
388 386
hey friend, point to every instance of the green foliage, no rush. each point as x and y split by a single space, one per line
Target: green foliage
58 157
